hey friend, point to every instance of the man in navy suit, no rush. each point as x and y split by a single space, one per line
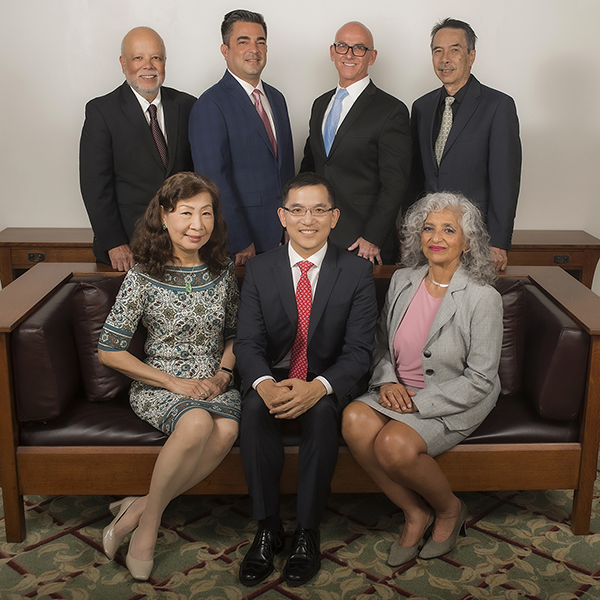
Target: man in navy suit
241 139
120 163
301 366
466 137
367 158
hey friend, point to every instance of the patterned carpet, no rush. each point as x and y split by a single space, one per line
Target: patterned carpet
518 545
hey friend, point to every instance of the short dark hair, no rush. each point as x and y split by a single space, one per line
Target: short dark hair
242 16
151 244
308 179
449 23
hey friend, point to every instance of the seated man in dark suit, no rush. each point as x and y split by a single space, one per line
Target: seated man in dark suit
304 345
132 140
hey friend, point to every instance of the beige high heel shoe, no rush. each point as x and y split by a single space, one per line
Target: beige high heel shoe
110 542
139 569
433 549
400 555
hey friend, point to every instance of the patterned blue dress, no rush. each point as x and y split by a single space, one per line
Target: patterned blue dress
189 316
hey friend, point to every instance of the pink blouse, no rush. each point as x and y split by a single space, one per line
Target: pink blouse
411 336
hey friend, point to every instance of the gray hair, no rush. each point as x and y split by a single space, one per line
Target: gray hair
449 23
476 259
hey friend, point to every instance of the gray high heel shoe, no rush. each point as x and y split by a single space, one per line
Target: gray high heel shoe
433 549
400 555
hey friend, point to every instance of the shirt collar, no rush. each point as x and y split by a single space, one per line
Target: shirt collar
357 88
248 87
145 104
460 95
316 259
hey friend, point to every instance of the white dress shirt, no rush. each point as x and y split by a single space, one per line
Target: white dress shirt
249 88
313 277
354 91
160 113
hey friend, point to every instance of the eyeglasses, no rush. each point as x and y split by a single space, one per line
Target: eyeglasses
300 211
357 50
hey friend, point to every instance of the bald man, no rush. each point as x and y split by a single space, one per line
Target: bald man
359 140
132 140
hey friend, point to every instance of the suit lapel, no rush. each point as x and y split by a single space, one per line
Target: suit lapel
357 109
327 278
428 126
247 107
279 119
282 276
171 110
469 106
131 107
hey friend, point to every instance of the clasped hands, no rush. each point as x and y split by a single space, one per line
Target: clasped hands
394 396
202 389
290 398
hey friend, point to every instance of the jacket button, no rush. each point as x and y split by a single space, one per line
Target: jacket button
429 372
427 353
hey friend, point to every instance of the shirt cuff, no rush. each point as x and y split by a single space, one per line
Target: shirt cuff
326 384
261 379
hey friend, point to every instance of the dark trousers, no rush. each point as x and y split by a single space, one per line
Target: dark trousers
262 456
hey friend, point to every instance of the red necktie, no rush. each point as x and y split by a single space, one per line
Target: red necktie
159 138
262 113
299 360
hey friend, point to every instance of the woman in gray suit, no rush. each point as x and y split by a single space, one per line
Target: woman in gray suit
435 374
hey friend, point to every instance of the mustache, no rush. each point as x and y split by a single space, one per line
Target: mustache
446 68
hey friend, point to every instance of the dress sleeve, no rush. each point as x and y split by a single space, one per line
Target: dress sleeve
232 303
123 319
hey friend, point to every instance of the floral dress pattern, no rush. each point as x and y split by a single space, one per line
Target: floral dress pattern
189 316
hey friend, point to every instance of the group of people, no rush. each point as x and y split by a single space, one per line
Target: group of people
304 334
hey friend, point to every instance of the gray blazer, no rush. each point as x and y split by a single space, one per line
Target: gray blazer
462 352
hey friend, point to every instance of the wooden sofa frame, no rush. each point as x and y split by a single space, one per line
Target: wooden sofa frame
88 470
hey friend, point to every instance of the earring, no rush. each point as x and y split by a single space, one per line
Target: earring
164 226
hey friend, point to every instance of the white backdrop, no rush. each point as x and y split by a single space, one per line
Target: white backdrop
57 55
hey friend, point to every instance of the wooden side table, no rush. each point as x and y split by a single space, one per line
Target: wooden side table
24 247
575 251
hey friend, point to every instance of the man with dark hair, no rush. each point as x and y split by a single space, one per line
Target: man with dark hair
466 137
303 348
359 139
241 138
132 140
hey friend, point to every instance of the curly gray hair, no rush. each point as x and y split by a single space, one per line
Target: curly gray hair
476 259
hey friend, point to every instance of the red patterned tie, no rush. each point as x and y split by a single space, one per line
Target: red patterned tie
262 113
299 360
159 138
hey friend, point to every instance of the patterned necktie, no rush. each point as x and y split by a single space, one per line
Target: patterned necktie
159 138
262 113
299 359
332 119
444 129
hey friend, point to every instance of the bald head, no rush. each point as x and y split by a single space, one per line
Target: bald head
143 59
351 39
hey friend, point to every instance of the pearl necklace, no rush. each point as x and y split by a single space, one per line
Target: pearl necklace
442 285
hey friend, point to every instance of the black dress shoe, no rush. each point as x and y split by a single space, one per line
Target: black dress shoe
305 558
258 562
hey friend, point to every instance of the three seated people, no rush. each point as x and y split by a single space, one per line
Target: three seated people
306 350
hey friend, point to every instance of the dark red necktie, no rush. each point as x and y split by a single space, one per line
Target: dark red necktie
262 113
159 138
299 359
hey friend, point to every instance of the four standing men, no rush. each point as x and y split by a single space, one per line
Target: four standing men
241 139
359 140
466 137
304 345
132 140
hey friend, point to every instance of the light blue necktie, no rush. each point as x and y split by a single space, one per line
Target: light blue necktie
332 119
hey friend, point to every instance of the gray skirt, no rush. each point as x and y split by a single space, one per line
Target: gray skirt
433 431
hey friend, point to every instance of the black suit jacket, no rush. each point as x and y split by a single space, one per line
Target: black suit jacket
342 322
120 168
482 157
368 165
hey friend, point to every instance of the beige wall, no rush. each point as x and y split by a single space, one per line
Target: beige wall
57 55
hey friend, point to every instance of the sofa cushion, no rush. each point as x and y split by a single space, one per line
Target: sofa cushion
92 302
510 369
45 363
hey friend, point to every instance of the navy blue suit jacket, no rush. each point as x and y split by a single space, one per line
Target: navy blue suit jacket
342 321
230 146
482 156
368 165
120 168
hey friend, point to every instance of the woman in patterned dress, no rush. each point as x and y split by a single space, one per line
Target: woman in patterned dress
183 289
